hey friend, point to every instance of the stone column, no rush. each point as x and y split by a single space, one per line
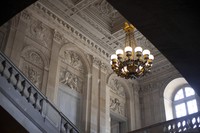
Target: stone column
53 77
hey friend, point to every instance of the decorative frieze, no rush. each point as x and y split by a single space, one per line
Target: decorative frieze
38 7
25 15
71 80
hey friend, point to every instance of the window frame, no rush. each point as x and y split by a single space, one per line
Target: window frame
184 100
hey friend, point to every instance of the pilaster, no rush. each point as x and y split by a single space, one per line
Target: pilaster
53 81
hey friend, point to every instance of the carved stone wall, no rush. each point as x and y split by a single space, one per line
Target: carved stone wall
33 67
117 98
72 59
72 71
40 33
71 80
92 27
118 106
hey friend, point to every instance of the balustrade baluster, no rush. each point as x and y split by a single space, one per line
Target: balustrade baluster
13 79
32 99
1 66
66 125
6 72
39 101
62 128
25 92
19 85
72 130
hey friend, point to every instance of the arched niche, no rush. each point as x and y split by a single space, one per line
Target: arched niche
73 70
119 103
34 65
168 94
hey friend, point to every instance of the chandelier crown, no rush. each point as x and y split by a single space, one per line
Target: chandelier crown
133 61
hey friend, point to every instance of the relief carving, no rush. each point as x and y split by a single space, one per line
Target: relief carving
96 62
117 88
74 60
33 57
25 15
41 33
58 36
33 74
117 106
106 9
104 67
71 80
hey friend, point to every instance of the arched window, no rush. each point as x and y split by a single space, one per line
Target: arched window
180 99
184 102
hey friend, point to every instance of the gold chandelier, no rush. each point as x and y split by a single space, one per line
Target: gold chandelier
133 61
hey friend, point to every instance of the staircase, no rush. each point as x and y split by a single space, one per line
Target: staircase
24 102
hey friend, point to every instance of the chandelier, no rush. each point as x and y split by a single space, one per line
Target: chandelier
133 61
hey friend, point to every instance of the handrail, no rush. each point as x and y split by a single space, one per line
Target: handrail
189 122
30 91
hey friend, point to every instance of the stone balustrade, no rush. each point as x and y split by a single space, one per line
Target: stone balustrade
33 96
189 124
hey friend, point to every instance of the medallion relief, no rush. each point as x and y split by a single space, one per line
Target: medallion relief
40 32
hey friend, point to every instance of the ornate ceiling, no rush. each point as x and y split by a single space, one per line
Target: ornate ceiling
103 24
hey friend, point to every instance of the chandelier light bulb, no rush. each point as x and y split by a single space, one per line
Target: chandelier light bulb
138 49
113 56
128 49
146 52
119 52
151 57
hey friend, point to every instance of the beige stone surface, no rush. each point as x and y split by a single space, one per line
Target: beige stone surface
64 46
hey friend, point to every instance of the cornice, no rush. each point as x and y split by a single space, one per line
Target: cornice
94 48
